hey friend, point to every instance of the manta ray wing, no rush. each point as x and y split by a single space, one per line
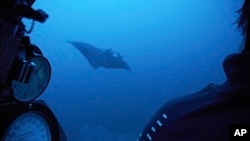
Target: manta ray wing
91 53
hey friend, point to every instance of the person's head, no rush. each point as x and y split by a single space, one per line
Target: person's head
244 16
243 20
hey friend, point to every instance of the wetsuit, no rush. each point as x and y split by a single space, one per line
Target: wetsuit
206 115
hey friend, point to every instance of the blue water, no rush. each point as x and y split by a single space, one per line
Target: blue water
173 47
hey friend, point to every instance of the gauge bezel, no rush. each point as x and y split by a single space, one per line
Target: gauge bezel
44 88
37 107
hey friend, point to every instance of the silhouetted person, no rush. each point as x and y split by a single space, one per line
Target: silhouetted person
207 115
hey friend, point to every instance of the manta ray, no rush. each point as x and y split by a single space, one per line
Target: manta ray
100 58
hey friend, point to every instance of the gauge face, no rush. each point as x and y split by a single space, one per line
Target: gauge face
38 82
29 126
29 122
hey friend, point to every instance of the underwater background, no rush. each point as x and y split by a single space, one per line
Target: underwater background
174 48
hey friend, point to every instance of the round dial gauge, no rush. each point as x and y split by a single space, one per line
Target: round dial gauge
29 126
29 122
38 82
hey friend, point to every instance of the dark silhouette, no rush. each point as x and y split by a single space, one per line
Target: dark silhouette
212 113
100 58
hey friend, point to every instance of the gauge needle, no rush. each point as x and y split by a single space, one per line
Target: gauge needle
36 71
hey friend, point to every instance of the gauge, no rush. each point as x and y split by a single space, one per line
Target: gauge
29 126
38 82
29 122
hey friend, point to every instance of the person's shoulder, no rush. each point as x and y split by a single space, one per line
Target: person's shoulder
205 96
209 91
212 94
